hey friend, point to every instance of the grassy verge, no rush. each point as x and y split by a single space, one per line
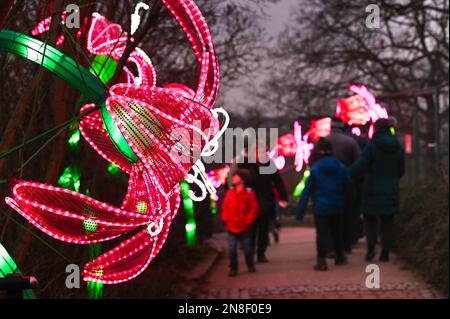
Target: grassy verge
422 233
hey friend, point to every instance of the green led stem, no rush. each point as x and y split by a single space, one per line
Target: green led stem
74 139
104 66
301 186
188 204
116 135
70 178
113 169
55 61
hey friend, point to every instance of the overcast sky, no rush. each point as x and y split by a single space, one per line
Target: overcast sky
278 16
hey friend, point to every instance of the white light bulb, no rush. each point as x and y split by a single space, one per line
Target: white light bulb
136 18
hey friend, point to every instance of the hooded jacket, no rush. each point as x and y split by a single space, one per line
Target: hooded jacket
239 210
327 185
383 164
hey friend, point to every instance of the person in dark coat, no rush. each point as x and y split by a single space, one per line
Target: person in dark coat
383 164
263 181
358 223
345 148
361 140
327 185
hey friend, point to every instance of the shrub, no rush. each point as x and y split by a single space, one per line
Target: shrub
422 232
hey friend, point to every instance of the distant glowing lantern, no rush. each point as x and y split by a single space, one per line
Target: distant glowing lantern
356 131
286 145
218 177
353 110
408 144
360 108
319 128
304 148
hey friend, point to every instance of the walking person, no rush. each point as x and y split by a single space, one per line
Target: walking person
347 151
383 164
239 212
358 223
327 185
275 224
264 180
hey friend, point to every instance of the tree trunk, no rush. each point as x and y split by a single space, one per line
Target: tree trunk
60 110
18 116
27 238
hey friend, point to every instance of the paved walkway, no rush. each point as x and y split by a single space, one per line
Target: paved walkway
289 274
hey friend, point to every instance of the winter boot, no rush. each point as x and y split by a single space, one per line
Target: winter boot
340 260
262 259
250 263
370 253
321 265
384 256
233 272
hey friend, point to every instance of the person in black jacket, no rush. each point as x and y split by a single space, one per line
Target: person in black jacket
358 223
383 164
263 181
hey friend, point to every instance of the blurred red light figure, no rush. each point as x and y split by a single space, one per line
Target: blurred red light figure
408 144
361 108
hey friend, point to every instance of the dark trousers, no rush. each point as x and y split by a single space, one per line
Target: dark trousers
261 235
262 225
371 223
358 223
245 239
329 227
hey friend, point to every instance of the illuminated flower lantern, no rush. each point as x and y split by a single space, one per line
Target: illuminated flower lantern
134 129
292 145
108 41
219 176
285 145
360 108
353 110
319 128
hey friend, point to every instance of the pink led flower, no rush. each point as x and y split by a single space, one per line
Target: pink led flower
303 147
146 116
298 145
44 26
106 38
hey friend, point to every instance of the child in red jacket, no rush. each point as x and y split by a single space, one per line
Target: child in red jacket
239 212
